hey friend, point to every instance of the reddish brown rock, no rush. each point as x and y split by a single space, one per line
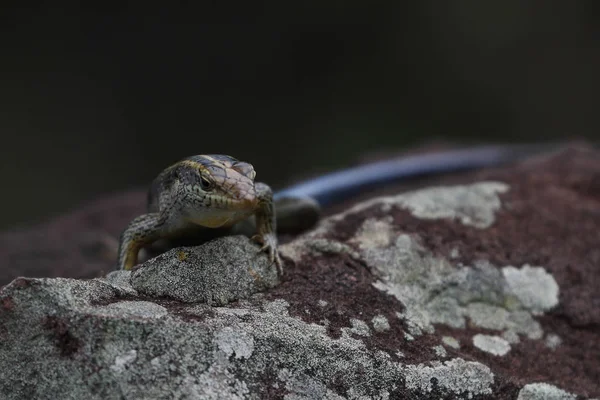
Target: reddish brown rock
550 217
502 272
81 244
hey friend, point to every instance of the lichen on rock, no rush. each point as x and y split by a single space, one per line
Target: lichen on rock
215 273
544 391
446 292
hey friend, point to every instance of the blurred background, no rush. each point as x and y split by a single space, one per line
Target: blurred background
99 100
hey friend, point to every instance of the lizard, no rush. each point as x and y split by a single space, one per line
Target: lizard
217 193
210 191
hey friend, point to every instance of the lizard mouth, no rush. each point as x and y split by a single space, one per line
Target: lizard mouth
244 198
246 202
233 196
229 203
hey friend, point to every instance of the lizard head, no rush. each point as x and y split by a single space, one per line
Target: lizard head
221 182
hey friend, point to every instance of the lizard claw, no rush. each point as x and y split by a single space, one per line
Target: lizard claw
269 245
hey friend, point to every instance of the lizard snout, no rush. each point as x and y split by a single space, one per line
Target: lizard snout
246 196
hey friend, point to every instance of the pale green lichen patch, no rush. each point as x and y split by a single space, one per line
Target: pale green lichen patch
451 342
121 361
544 391
301 386
497 318
553 341
488 316
491 344
456 376
132 308
433 290
511 336
440 351
417 321
374 233
359 327
316 246
380 323
235 343
534 287
473 205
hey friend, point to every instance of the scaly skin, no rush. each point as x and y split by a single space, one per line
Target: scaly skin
210 191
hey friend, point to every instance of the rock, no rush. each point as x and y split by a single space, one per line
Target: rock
484 289
88 347
216 273
79 244
492 344
543 391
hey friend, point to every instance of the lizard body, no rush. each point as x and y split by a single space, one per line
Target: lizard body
211 191
218 191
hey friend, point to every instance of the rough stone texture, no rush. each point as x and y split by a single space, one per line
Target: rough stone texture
534 287
215 273
543 391
381 301
492 344
70 335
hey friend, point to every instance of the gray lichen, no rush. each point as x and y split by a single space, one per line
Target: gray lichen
534 287
215 273
553 341
544 391
440 351
491 344
359 327
451 342
473 205
380 323
456 376
100 347
433 289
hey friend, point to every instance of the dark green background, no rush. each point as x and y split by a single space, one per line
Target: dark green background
96 100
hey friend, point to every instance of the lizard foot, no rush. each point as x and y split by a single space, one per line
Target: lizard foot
269 245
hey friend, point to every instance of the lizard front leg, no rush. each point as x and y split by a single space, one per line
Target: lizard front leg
266 224
140 232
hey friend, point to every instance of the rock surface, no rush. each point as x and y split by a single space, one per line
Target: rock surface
483 288
215 273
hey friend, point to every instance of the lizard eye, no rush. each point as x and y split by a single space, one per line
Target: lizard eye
205 184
